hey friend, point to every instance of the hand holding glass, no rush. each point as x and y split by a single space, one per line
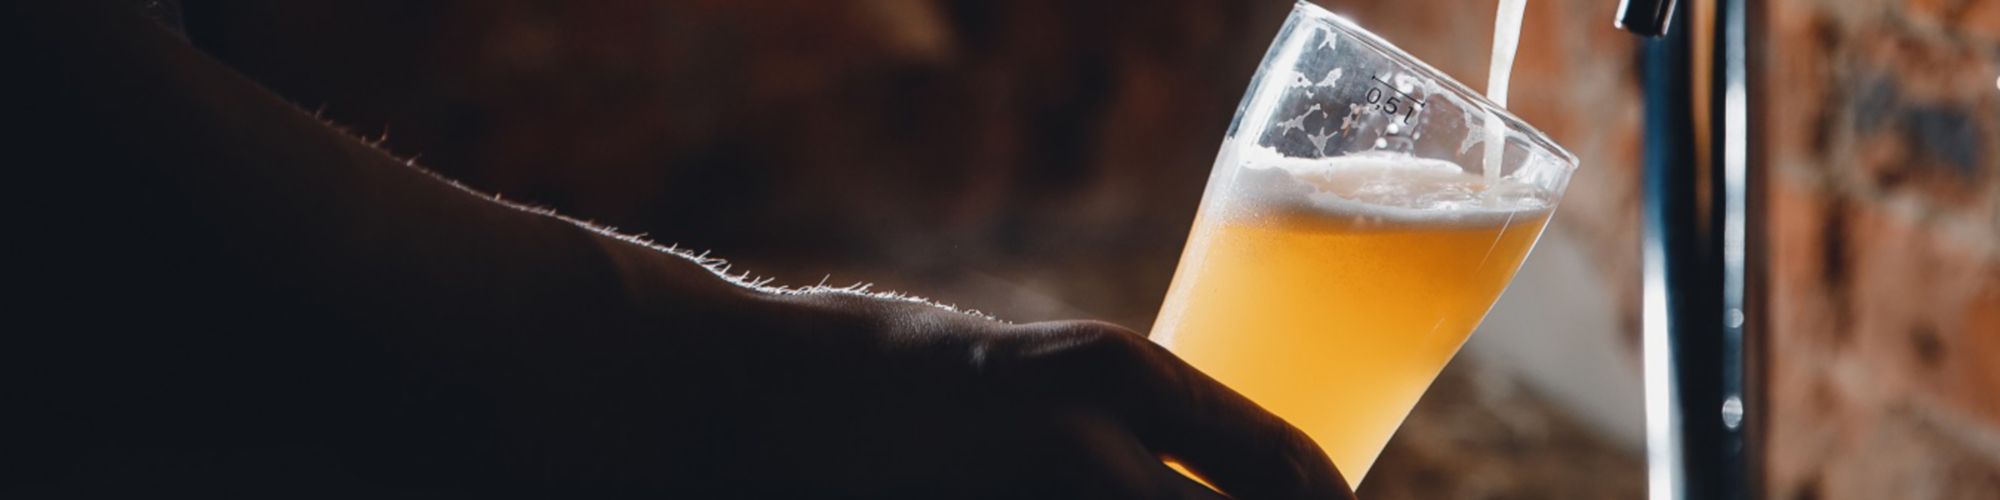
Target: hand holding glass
1343 251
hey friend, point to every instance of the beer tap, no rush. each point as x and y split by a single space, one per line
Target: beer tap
1645 17
1702 257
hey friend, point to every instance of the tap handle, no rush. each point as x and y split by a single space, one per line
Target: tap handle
1645 17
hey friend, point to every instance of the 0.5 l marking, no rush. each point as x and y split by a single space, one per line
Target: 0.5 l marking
1393 104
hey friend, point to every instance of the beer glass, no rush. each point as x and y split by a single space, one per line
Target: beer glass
1353 233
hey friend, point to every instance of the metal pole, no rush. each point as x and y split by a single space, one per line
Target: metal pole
1699 261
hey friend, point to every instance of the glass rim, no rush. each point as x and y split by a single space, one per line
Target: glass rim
1534 135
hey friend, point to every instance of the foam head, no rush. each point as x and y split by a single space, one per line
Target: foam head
1377 189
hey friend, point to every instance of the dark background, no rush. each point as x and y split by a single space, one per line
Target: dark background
989 145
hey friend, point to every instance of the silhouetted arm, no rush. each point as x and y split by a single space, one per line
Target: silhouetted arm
409 333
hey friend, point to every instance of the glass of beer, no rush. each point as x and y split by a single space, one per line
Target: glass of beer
1356 227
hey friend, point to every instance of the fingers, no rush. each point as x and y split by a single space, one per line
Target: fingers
1176 485
1176 411
1230 441
1123 467
1235 444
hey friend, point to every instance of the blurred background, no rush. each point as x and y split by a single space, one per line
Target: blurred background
1042 159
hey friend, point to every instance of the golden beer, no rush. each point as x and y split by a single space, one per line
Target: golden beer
1332 291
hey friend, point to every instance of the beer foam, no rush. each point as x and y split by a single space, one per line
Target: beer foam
1377 189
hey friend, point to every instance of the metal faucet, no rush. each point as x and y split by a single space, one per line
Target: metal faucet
1645 17
1703 259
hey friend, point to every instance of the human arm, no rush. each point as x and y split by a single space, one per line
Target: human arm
584 359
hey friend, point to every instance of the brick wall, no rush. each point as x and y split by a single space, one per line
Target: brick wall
1884 130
